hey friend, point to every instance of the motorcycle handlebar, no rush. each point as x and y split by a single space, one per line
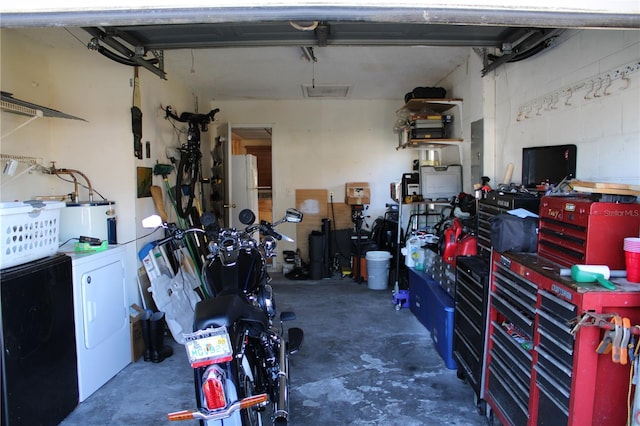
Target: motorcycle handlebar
268 230
265 229
176 233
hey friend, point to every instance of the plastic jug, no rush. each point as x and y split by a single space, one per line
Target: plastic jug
413 253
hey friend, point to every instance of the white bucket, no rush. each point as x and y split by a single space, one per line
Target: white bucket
378 269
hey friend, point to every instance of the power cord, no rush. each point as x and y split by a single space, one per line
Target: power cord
119 244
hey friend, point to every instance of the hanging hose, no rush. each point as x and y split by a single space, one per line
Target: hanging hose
94 44
527 53
524 55
115 57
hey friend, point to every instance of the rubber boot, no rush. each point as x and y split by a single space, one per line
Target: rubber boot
159 351
146 334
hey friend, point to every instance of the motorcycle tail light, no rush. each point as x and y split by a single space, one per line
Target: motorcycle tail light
213 390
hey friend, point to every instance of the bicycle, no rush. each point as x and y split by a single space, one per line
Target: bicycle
188 171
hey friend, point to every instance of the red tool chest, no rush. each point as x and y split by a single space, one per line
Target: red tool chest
577 230
537 372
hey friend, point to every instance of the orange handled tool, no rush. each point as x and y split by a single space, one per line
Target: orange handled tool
626 334
617 339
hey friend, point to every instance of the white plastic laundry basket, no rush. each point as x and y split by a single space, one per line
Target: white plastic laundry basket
29 231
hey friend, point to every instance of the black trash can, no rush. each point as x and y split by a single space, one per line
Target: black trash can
316 255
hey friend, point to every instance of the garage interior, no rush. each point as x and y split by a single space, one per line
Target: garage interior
319 96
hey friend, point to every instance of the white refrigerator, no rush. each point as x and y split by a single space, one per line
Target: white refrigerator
244 186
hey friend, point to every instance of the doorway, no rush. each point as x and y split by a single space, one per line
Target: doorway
257 140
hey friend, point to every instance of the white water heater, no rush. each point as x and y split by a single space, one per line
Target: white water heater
89 219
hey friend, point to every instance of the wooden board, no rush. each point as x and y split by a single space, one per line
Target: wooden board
313 204
606 185
605 188
592 190
342 219
265 209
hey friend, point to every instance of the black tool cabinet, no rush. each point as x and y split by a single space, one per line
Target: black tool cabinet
472 290
513 299
494 203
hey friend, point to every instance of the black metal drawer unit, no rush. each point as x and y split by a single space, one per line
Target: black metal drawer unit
510 355
448 280
470 321
495 203
555 358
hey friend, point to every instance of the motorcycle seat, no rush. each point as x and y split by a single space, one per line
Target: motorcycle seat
225 309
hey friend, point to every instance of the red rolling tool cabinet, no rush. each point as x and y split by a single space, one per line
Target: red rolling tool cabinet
578 230
537 372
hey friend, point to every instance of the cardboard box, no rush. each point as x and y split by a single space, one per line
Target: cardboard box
357 193
135 326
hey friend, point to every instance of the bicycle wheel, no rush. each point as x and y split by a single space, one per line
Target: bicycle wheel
186 179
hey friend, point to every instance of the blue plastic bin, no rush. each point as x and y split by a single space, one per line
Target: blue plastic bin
441 309
419 295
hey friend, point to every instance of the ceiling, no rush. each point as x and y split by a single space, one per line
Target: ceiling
280 72
284 59
369 51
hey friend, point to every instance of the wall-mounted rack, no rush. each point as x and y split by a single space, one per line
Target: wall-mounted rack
604 84
31 161
9 166
10 104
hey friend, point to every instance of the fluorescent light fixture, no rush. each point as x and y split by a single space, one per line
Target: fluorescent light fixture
326 90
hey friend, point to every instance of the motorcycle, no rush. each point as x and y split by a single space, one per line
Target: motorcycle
240 358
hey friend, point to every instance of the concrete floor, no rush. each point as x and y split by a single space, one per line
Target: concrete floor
362 363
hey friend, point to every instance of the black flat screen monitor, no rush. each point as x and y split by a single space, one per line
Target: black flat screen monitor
548 164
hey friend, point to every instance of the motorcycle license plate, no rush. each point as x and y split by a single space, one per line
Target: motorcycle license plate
210 346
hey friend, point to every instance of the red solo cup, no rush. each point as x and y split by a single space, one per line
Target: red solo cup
633 266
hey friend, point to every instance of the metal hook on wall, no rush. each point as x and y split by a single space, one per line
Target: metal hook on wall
569 95
626 80
595 92
587 95
606 88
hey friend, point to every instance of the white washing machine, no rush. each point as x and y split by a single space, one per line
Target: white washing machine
101 317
